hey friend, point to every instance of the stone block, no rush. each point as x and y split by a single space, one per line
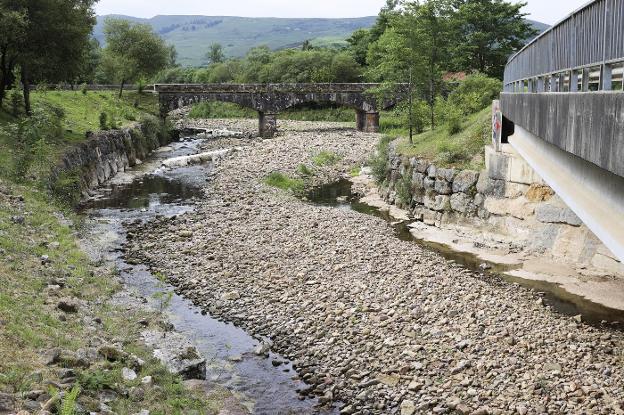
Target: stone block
441 203
429 183
461 202
446 174
514 190
549 213
490 187
430 217
421 165
431 171
509 166
518 208
418 180
443 187
479 199
465 181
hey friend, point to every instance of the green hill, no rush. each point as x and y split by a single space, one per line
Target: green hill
192 35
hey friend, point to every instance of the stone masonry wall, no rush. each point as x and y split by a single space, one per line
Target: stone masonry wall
106 153
506 198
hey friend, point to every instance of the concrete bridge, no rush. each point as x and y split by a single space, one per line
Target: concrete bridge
271 99
563 111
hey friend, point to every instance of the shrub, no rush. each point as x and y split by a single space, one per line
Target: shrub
103 121
15 98
141 84
379 162
403 188
454 119
475 93
84 89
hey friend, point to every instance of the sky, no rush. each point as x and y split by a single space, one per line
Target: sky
546 11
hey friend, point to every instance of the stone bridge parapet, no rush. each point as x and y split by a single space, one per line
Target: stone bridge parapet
271 99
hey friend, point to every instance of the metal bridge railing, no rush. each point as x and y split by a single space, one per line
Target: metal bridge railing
582 53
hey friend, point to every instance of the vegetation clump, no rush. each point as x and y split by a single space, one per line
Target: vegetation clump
282 181
326 158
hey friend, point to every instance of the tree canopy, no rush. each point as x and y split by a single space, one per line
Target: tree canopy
133 51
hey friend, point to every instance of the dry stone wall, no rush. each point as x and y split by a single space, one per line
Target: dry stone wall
507 198
105 153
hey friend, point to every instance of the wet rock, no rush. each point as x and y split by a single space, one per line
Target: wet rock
177 354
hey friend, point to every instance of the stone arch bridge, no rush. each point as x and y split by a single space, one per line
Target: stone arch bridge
271 99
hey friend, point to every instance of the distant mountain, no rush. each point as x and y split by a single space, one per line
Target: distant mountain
192 35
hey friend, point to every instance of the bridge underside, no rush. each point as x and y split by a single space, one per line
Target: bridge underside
575 142
270 100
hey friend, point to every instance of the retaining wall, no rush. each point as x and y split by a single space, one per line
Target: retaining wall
508 197
105 153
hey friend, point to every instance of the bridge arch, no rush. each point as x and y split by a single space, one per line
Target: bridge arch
271 99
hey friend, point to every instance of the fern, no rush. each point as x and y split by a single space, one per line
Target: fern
68 407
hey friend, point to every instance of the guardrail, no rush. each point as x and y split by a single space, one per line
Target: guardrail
266 88
582 53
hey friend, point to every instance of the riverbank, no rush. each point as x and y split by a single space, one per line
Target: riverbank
371 321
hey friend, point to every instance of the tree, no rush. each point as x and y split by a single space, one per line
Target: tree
50 41
133 51
215 53
344 68
90 62
12 32
359 43
307 45
417 46
489 32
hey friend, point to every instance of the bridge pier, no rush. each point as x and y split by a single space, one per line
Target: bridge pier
267 124
367 121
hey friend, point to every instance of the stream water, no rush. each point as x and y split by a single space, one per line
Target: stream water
229 351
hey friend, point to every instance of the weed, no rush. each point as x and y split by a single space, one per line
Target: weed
355 171
326 158
103 121
304 170
281 181
379 162
68 406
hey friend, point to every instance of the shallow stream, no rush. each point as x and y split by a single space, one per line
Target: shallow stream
229 351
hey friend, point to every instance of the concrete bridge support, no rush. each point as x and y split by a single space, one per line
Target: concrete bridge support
367 121
267 124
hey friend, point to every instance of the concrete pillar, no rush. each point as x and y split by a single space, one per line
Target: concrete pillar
371 124
574 77
607 78
585 80
267 124
540 84
360 120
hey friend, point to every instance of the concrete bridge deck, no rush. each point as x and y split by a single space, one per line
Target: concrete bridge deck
271 99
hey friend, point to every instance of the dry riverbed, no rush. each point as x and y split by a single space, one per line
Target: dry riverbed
374 324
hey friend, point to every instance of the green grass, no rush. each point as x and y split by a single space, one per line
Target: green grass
462 150
83 111
282 181
30 323
82 114
326 158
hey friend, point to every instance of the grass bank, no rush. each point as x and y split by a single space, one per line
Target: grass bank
56 312
462 150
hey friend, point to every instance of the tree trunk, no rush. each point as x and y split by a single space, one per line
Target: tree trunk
123 81
26 85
